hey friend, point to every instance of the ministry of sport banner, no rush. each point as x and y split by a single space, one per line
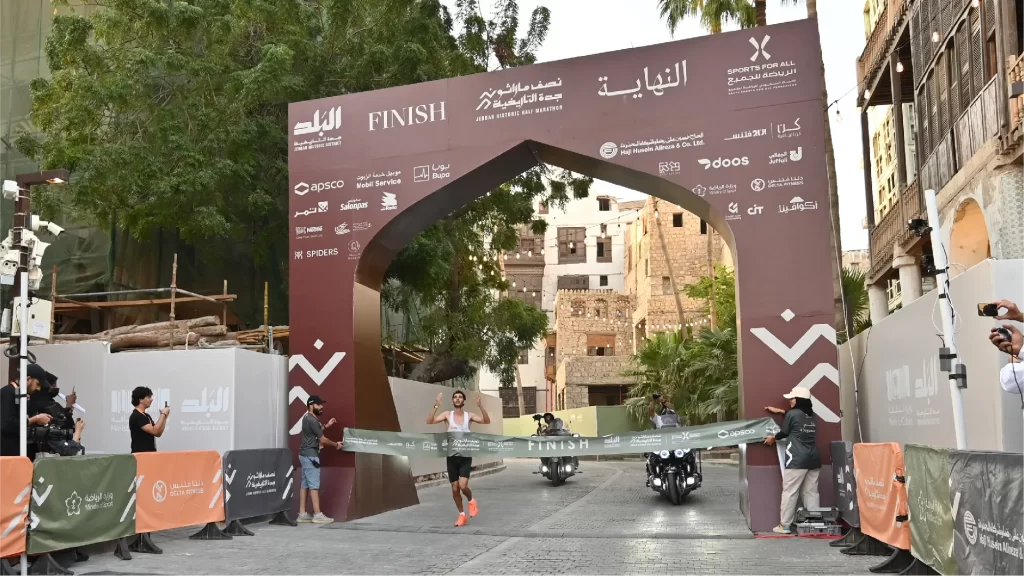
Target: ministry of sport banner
473 444
82 500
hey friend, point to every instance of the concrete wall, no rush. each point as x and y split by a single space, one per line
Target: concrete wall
413 402
220 399
902 396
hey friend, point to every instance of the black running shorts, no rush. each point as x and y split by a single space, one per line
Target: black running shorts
459 467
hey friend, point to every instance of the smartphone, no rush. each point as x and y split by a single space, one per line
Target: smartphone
166 405
988 310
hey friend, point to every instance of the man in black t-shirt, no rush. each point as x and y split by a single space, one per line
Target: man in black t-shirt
143 430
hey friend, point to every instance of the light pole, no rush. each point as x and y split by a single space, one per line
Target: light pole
22 191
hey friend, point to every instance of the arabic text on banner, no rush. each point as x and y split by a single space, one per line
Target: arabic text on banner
484 445
178 489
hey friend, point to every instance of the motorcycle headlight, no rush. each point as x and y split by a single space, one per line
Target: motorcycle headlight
576 435
680 452
664 454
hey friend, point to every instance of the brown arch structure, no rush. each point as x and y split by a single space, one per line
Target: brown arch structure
728 126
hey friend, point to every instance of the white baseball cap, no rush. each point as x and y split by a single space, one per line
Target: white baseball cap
798 392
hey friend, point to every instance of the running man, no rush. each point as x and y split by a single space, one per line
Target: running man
459 466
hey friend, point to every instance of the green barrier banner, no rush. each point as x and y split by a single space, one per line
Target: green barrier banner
472 444
81 500
931 516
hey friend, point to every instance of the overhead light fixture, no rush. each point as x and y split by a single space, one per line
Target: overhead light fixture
975 3
517 255
839 116
867 94
899 66
571 245
935 36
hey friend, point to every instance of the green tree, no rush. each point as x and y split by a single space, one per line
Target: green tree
719 289
855 295
171 114
713 14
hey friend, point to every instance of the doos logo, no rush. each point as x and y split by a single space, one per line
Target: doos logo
723 162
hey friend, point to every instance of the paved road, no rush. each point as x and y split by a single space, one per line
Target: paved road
602 522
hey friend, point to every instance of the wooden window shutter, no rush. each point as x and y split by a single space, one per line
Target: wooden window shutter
963 52
953 79
943 98
977 47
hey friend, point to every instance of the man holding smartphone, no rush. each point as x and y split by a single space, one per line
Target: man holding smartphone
1009 339
141 426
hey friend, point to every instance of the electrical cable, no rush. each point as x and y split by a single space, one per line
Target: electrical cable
849 337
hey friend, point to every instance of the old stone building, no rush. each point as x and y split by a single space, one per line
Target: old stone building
593 339
665 237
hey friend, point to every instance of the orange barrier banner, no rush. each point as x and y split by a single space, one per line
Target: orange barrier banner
178 489
882 493
15 495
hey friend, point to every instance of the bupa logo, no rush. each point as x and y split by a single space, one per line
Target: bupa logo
723 162
759 48
301 188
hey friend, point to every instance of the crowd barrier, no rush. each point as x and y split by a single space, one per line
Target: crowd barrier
59 504
932 510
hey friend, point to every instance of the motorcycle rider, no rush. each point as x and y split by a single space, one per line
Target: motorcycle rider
665 417
554 423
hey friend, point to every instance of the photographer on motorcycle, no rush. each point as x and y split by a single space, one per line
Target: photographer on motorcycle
665 416
554 424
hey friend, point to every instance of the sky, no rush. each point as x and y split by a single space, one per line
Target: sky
584 27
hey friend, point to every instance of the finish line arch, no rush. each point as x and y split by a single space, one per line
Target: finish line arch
728 126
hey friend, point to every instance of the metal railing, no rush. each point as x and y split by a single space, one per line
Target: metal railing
892 228
1015 73
880 43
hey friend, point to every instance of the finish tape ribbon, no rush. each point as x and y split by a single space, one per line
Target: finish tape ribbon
472 444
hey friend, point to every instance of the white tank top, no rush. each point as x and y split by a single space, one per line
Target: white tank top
454 427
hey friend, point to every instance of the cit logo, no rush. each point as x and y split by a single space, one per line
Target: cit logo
301 188
388 202
759 48
699 190
757 184
159 491
755 210
341 229
609 150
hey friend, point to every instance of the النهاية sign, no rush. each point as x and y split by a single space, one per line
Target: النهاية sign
81 500
472 444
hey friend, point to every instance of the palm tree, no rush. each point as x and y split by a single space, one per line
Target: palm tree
656 369
855 293
712 14
712 371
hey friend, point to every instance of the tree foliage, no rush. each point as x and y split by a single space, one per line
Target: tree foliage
172 114
700 373
855 299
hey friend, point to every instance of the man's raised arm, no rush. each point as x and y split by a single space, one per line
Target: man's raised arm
434 418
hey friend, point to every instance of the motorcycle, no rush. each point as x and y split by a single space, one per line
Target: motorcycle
556 468
674 473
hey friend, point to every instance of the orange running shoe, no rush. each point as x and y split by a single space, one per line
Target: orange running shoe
461 521
473 509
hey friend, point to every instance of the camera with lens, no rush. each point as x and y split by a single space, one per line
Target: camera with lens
57 437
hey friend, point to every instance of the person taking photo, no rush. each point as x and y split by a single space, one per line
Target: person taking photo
1011 376
144 431
10 433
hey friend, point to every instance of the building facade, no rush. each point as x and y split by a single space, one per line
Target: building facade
594 339
582 249
956 61
666 249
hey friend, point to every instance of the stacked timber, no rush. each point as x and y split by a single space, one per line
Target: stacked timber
198 332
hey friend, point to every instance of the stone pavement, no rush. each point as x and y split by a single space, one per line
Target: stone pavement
602 522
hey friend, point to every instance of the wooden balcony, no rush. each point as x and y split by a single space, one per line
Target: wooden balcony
971 131
1015 73
892 230
882 41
